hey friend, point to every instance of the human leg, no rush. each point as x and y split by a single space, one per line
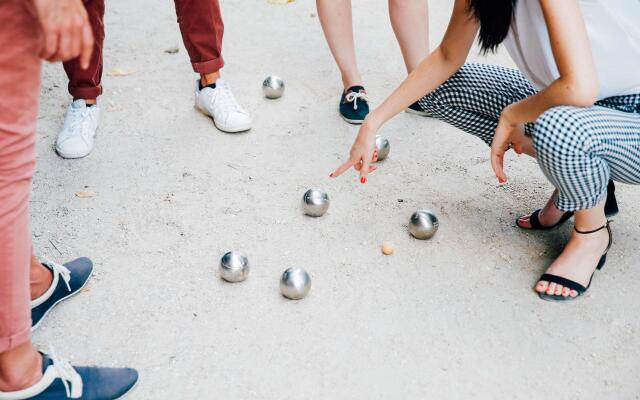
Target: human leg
19 85
87 83
336 20
202 30
337 24
410 22
474 97
579 150
76 139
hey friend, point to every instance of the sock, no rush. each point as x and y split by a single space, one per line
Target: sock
212 85
85 103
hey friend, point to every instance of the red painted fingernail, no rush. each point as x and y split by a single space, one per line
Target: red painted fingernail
331 175
363 180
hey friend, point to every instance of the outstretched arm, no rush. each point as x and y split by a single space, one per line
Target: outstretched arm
443 62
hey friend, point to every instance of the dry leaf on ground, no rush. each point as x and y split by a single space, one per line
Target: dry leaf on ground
120 72
86 194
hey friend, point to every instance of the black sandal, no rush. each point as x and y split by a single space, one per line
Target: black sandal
611 206
534 220
569 283
610 211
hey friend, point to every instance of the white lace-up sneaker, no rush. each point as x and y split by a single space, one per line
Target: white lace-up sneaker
77 136
219 104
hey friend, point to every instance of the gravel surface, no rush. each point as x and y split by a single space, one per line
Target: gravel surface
450 318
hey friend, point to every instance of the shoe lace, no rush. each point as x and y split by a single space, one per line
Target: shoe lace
226 98
354 96
70 378
60 270
78 119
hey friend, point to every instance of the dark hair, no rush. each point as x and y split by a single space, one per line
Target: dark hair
495 18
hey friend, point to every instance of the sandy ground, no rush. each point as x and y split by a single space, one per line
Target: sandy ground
450 318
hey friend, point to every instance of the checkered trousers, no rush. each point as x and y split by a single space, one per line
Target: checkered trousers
578 149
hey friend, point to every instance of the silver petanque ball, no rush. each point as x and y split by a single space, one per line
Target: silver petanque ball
295 283
315 202
234 267
273 87
383 146
423 224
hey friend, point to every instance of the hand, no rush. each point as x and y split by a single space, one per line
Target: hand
66 28
363 153
505 137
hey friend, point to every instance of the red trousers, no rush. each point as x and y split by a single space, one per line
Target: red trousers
85 83
21 42
202 28
20 45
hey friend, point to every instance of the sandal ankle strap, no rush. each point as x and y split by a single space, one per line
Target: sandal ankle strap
592 231
605 226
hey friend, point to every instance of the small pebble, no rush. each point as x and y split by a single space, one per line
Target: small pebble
387 248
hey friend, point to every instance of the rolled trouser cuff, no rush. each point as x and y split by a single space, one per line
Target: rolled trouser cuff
85 92
208 67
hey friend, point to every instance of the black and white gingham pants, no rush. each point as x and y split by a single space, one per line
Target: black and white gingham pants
578 149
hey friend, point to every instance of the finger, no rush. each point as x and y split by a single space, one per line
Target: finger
342 168
50 41
517 147
364 171
64 45
75 43
372 168
375 156
76 35
497 163
87 45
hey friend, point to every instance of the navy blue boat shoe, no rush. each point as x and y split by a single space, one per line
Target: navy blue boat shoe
417 110
68 280
61 381
354 105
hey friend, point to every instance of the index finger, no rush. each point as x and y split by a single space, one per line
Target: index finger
497 163
50 42
364 171
87 45
348 164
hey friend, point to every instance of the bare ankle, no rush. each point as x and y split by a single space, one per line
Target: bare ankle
40 278
208 79
350 84
20 368
590 227
587 239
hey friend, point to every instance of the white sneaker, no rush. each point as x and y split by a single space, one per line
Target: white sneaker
219 104
80 125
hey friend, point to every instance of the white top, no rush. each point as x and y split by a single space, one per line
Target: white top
614 31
